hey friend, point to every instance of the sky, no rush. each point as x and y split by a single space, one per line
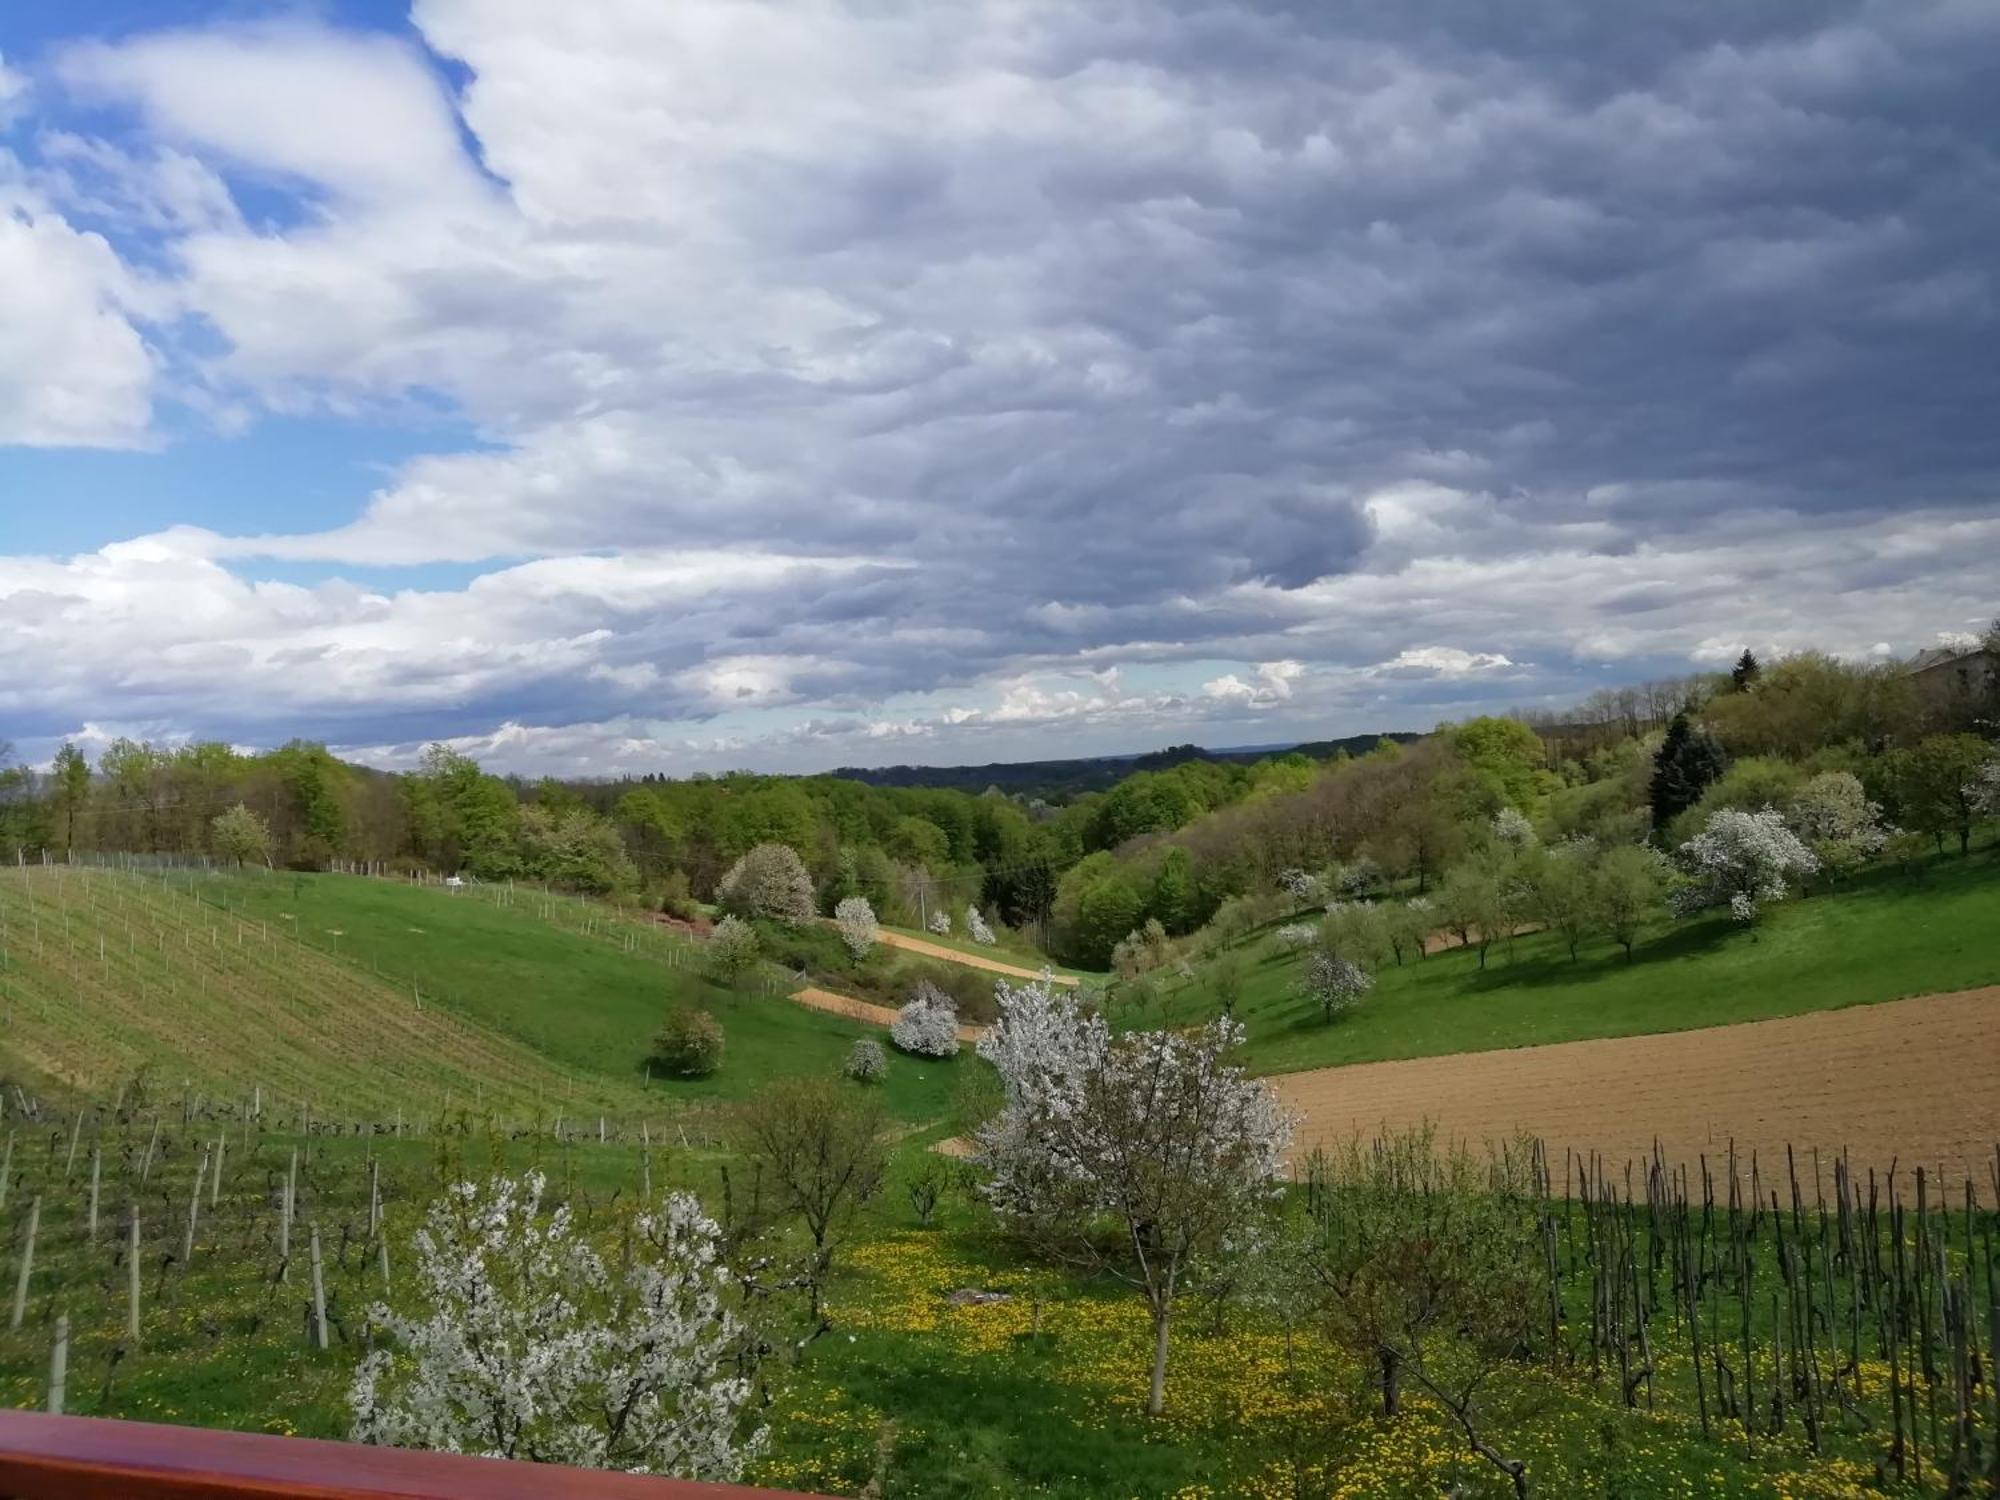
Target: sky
611 386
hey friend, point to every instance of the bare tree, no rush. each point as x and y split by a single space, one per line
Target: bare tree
819 1145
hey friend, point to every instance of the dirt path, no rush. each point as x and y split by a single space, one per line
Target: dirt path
971 960
1909 1080
862 1010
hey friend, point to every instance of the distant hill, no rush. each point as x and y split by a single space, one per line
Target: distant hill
1054 780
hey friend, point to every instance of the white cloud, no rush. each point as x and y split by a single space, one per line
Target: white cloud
361 117
1444 661
13 94
1272 685
74 371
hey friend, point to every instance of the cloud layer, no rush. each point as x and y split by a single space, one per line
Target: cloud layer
862 382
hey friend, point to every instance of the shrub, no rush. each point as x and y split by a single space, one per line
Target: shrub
927 1025
940 922
976 928
770 881
689 1042
866 1061
676 900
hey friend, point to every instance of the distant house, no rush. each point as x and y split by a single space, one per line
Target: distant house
1959 684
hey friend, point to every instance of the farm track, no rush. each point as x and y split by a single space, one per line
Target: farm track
105 974
928 949
1906 1081
861 1010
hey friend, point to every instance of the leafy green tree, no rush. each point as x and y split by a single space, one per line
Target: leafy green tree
1172 901
689 1043
72 790
1473 904
312 780
1507 753
1934 786
1106 911
1560 888
1628 884
1689 760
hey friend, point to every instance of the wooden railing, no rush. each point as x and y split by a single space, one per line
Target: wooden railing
89 1458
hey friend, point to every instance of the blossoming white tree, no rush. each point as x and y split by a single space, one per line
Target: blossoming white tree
1145 1154
1336 984
1301 885
1512 828
940 922
1834 818
928 1024
732 949
1983 791
1296 935
769 881
856 920
975 926
1742 860
529 1348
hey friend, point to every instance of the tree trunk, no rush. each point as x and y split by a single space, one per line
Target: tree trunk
1392 1381
1156 1399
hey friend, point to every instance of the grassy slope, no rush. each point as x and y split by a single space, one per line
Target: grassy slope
106 973
581 1000
1881 938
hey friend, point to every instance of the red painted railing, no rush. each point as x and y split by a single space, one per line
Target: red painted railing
89 1458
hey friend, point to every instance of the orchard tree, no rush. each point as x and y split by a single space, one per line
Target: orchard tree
1333 983
856 920
1628 883
1473 903
1356 930
732 950
1425 1265
976 928
1834 817
1559 888
241 835
769 881
1147 1155
1742 861
1407 927
821 1150
528 1347
927 1025
1983 790
1935 784
1689 759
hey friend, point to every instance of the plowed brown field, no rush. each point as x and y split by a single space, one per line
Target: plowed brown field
971 960
1914 1081
861 1010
